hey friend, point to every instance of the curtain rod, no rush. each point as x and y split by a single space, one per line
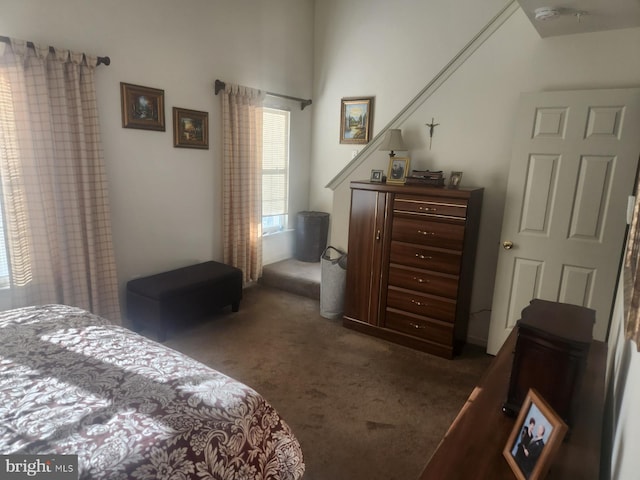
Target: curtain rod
303 102
100 61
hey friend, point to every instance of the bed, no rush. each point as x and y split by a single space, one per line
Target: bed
73 384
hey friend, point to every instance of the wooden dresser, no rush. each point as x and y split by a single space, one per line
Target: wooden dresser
472 447
411 259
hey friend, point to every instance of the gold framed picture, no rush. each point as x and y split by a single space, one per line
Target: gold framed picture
398 168
535 438
190 128
142 107
356 116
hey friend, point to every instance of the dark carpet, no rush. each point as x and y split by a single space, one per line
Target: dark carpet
362 408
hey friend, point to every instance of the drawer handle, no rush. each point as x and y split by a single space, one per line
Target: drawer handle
419 304
422 232
415 325
428 209
421 280
423 257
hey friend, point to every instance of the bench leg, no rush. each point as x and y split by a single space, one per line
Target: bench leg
162 334
235 306
161 330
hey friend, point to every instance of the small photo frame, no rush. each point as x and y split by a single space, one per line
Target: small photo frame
455 179
376 176
142 107
535 438
356 116
190 128
398 168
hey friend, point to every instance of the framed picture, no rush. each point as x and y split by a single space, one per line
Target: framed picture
376 176
398 168
455 179
142 107
356 119
190 128
535 438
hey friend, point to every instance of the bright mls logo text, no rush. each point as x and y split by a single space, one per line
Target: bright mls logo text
54 467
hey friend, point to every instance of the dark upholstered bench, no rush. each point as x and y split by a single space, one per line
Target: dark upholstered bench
183 294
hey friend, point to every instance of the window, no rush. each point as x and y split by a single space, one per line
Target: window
275 170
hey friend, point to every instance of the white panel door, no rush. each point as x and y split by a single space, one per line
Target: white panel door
574 163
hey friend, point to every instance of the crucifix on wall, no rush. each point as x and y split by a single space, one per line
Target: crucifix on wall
431 126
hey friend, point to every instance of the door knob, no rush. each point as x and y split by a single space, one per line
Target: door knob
507 245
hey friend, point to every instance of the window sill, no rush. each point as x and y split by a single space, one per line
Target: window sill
279 232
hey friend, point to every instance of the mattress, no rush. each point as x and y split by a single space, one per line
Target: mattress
130 408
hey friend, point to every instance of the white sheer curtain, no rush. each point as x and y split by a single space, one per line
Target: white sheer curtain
54 187
242 179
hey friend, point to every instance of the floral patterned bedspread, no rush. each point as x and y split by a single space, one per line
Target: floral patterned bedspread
130 408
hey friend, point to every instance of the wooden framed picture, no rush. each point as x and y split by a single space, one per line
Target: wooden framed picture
356 116
142 107
376 176
455 179
535 438
190 128
398 168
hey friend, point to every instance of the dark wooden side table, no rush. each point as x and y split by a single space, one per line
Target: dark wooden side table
472 447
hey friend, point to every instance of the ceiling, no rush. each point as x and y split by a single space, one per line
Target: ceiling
581 16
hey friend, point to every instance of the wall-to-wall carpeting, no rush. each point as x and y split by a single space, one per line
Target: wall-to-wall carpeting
361 407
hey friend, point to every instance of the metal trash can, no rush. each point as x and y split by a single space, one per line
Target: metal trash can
333 278
312 229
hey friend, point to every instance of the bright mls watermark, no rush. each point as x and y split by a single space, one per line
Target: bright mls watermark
51 467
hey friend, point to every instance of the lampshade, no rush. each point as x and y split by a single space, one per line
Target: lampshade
393 141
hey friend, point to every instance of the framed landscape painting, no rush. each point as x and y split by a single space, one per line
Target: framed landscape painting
142 107
355 120
190 128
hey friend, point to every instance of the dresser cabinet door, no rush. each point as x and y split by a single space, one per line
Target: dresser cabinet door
364 266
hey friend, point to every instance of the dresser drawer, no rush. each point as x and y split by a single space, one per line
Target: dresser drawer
450 207
421 304
425 258
423 281
433 330
420 231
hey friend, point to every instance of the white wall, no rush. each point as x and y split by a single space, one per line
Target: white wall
622 417
166 201
475 107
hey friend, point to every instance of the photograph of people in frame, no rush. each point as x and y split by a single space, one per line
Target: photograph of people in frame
455 179
535 438
376 176
398 168
532 440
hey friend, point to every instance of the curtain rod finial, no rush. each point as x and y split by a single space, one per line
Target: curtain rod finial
219 85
